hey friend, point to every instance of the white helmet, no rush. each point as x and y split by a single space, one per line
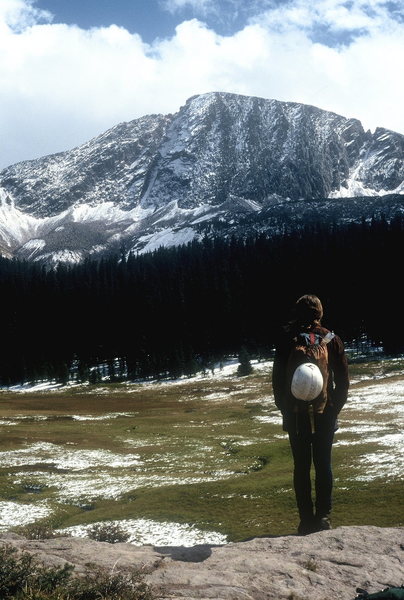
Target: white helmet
307 382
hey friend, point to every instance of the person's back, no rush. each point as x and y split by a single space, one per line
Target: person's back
311 425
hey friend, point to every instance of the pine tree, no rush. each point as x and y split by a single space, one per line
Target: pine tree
244 367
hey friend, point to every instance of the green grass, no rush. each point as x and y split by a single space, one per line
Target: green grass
378 367
226 465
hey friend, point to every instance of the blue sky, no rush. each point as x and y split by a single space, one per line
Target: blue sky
70 69
146 17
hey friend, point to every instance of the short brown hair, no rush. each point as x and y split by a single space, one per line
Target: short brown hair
309 309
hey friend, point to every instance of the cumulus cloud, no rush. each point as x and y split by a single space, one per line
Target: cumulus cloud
60 85
19 14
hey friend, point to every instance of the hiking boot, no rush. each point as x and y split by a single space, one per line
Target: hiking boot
323 523
306 526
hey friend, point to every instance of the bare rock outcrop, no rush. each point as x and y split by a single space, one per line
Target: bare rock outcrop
329 564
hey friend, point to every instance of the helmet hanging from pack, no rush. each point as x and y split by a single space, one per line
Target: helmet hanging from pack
307 382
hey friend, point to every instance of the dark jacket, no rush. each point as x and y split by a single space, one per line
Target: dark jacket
338 381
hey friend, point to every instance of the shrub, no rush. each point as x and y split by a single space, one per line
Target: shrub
20 574
311 565
14 571
23 578
100 583
108 532
40 530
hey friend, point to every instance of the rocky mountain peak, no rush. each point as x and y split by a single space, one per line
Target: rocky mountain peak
154 180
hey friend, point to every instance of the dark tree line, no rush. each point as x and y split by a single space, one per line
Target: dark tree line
179 310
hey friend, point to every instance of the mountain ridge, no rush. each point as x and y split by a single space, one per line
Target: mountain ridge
154 180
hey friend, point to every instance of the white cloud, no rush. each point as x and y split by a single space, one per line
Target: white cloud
60 85
344 15
19 14
199 6
369 16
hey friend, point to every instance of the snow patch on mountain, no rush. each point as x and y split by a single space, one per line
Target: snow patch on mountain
167 238
105 211
16 227
63 256
34 246
354 186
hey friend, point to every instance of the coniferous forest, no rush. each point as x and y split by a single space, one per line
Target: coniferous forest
178 311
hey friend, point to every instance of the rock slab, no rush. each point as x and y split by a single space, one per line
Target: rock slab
328 564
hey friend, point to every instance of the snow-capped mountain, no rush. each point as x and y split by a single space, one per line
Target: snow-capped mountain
225 159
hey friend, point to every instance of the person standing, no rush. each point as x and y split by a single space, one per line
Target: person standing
311 425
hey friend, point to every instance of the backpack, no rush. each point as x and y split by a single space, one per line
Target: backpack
390 593
309 347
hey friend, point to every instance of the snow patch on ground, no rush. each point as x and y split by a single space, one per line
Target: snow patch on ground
13 514
145 531
105 417
274 418
83 487
384 401
41 386
389 465
380 398
59 457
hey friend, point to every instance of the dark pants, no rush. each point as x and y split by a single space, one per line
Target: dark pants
308 447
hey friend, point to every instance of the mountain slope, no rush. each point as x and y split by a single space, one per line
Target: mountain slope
161 180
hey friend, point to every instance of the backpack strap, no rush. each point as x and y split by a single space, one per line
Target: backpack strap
328 337
312 339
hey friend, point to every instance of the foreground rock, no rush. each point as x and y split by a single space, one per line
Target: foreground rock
330 564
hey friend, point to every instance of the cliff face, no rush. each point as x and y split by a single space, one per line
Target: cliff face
329 564
154 180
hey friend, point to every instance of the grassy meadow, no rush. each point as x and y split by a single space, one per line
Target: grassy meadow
208 453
